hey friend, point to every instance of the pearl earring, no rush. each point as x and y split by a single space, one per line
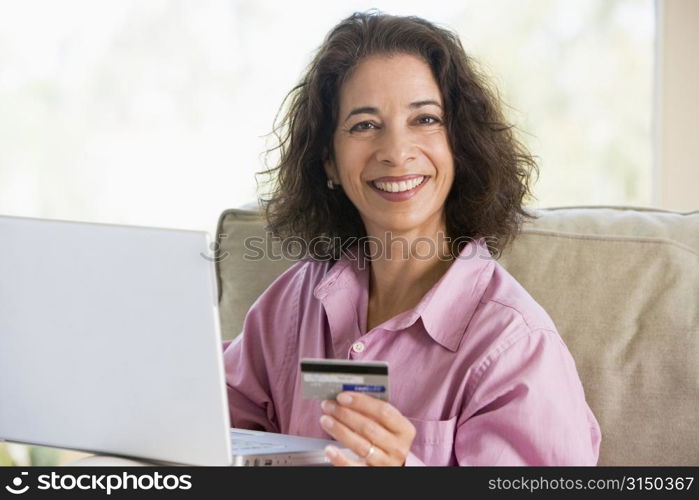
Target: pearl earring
330 184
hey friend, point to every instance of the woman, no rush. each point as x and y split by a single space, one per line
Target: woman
393 138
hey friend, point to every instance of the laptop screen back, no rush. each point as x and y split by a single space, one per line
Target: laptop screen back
110 342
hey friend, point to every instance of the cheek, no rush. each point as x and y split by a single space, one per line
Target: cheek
437 147
351 159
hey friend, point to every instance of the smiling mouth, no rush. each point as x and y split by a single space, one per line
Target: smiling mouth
400 186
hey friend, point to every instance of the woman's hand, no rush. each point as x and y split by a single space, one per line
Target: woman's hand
374 430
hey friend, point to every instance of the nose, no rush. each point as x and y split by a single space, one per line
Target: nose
396 147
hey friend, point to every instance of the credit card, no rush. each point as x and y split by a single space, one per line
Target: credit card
326 378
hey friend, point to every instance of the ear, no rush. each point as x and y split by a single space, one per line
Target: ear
330 168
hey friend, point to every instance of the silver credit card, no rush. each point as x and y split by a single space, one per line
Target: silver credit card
326 378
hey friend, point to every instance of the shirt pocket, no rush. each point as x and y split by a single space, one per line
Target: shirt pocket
434 440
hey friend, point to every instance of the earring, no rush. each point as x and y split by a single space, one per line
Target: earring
330 184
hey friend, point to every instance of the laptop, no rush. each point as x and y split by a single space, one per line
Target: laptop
110 343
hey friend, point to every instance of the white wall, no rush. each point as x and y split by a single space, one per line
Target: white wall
677 105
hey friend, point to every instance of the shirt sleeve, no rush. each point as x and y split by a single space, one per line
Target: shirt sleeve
249 400
255 359
527 407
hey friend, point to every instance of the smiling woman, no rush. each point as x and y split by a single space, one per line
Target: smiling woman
392 138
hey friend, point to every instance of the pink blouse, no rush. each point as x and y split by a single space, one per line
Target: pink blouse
477 366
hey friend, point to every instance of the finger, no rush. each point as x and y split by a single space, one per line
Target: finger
359 445
340 459
372 431
381 411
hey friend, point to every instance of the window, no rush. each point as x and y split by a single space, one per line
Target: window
155 113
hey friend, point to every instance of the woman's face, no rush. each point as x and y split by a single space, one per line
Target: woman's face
392 154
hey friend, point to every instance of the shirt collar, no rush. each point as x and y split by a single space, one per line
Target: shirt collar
448 307
343 274
459 290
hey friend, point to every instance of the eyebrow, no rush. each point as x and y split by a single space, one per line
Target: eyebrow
375 111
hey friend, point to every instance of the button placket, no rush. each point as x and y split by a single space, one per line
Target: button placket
358 347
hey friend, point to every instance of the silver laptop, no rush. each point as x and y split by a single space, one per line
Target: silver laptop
110 343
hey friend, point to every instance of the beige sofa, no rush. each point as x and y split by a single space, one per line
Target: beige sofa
622 286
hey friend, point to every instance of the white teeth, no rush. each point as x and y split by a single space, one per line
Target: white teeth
397 187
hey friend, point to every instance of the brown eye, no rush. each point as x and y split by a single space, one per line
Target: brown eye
428 120
362 126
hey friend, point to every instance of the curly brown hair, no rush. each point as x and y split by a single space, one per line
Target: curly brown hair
492 169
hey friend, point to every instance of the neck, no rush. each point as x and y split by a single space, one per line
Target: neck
406 268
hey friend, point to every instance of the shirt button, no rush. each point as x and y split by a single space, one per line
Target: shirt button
358 347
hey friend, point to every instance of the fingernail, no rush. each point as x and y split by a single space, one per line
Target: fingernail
344 398
326 422
328 406
331 451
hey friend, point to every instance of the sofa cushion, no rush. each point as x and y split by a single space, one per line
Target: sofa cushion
621 285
